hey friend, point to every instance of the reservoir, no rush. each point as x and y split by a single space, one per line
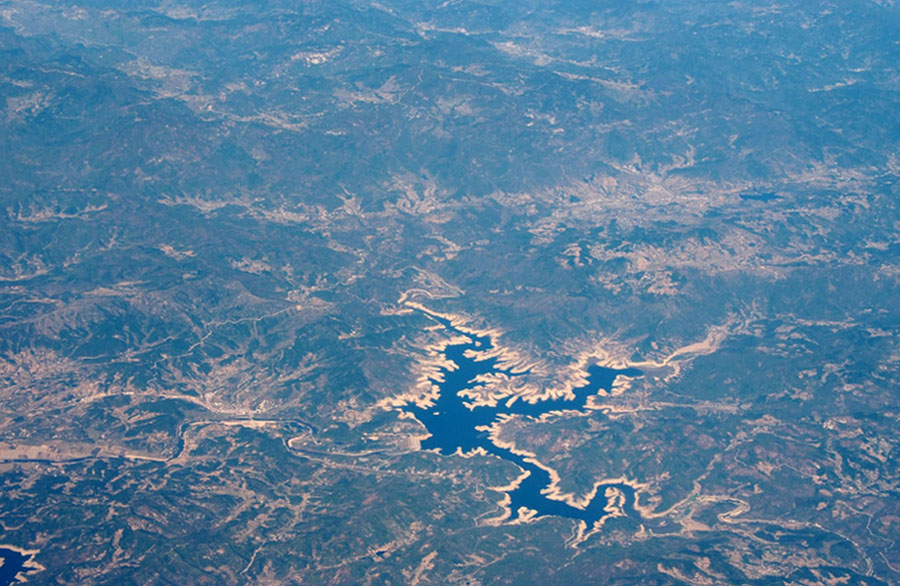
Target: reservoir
453 424
12 563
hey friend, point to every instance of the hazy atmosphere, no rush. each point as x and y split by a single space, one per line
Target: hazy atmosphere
465 292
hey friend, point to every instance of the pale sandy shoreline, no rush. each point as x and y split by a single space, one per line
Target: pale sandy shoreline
497 387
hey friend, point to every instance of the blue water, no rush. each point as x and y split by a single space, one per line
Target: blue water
452 422
13 563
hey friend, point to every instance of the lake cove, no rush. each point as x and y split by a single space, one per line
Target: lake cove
458 424
14 564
